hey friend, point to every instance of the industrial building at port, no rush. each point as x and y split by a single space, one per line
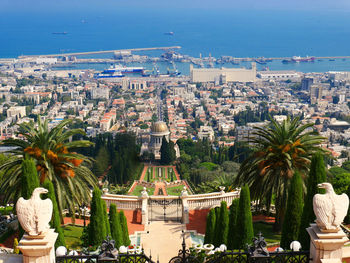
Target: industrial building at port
223 75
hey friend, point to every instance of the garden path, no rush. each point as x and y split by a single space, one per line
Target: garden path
160 185
143 173
164 240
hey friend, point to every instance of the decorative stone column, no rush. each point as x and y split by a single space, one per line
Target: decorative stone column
185 208
222 189
144 209
326 246
38 249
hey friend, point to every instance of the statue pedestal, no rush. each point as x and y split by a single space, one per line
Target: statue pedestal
38 249
326 247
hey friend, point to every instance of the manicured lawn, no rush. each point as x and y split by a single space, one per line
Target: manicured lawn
153 174
149 175
267 232
175 190
72 235
139 188
6 210
209 166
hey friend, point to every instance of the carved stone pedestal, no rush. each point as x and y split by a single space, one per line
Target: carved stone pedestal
326 247
38 249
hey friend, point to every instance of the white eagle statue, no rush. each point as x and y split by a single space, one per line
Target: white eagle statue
35 214
330 208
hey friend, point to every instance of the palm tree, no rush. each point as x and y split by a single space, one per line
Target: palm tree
278 151
51 150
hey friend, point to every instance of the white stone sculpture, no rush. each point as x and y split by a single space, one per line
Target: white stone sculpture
295 245
330 208
35 214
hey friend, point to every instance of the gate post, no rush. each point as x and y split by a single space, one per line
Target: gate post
185 208
144 208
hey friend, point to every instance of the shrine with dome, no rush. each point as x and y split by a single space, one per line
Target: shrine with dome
158 130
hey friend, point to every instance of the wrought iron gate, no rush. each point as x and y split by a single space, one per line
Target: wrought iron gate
164 209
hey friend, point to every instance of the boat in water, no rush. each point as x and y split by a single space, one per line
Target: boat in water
303 59
104 75
171 33
123 69
60 33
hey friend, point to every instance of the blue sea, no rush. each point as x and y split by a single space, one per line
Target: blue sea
239 33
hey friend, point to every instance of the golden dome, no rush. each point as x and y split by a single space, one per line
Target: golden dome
159 126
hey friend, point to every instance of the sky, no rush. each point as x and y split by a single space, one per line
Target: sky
110 5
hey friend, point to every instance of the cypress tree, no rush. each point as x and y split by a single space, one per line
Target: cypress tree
116 231
210 227
56 219
97 226
223 224
217 238
232 224
294 210
124 227
316 176
29 181
244 222
30 178
165 155
105 217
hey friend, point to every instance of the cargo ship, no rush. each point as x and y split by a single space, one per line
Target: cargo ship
303 59
105 75
123 69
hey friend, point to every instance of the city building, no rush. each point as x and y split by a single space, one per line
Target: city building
206 133
223 75
100 93
16 112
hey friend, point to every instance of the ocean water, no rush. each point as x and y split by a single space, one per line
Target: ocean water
235 33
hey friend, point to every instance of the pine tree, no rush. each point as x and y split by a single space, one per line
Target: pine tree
210 227
244 222
316 176
223 224
294 210
232 224
116 231
105 217
97 226
56 219
124 227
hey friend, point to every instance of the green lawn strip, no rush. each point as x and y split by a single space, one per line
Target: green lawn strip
72 236
157 173
163 173
267 232
139 188
6 210
175 190
171 174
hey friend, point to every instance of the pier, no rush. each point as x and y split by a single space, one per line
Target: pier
99 52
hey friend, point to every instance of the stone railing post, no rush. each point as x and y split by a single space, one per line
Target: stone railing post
144 207
38 249
185 208
327 239
326 246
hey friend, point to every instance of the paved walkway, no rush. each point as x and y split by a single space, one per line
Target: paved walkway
145 168
160 185
163 240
